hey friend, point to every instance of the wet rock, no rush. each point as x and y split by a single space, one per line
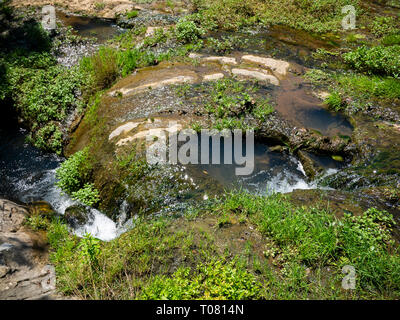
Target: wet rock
277 148
146 17
77 215
311 168
258 74
69 54
278 67
222 60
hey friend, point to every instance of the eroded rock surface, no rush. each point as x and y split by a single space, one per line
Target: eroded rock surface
25 272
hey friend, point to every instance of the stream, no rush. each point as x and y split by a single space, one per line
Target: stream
29 175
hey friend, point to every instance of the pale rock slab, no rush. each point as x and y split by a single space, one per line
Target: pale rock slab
277 66
256 74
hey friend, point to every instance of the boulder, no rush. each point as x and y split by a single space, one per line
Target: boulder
278 67
12 216
77 215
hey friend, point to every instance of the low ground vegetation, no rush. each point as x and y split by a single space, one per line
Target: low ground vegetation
301 254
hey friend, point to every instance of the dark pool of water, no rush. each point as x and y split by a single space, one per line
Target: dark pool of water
101 29
273 171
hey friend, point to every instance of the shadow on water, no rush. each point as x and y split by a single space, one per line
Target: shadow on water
101 29
273 171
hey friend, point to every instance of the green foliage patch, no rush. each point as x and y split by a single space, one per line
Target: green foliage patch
376 60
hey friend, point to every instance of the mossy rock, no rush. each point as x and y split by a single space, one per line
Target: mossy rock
77 215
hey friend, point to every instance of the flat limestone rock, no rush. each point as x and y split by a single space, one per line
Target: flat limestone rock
156 128
279 67
261 75
155 85
123 129
222 60
213 76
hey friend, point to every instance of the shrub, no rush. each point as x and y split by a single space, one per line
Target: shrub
102 67
89 250
73 176
88 195
48 138
74 172
378 60
186 31
43 97
366 241
46 95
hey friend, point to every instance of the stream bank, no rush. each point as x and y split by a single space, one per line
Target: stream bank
306 149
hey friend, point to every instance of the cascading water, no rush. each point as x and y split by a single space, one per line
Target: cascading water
28 175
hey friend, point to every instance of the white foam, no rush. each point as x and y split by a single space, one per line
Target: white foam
99 225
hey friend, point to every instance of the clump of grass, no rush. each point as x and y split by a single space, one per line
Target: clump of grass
334 101
102 67
132 14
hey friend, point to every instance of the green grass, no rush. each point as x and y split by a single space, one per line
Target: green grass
382 26
360 88
231 102
132 14
310 15
315 238
391 40
303 252
334 101
370 86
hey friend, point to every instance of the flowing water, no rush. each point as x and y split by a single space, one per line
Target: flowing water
28 174
273 171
